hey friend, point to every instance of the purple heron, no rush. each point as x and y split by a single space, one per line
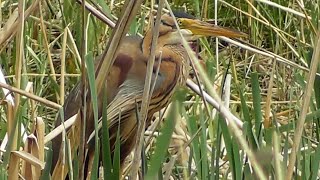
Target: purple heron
125 81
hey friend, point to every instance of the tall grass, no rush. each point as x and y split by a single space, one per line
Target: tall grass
273 89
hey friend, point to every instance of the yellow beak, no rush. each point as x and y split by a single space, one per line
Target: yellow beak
198 27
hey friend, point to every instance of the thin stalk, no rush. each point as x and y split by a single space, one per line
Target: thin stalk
83 109
31 96
305 108
63 65
146 94
47 47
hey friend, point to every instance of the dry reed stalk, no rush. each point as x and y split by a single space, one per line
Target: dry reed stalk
267 120
34 145
29 158
13 116
305 107
47 48
63 65
31 96
61 170
40 134
13 167
62 127
146 95
12 136
32 149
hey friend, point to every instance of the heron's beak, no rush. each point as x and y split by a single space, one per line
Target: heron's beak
202 28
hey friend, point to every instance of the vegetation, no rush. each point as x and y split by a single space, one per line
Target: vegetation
270 81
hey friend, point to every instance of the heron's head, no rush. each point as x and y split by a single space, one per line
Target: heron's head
190 28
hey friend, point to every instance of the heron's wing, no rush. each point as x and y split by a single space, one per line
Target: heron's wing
124 104
117 75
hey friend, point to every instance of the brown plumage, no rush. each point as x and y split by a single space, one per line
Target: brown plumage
125 83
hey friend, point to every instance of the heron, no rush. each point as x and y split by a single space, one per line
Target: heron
126 80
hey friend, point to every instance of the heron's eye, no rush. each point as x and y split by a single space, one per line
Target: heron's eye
179 21
165 23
